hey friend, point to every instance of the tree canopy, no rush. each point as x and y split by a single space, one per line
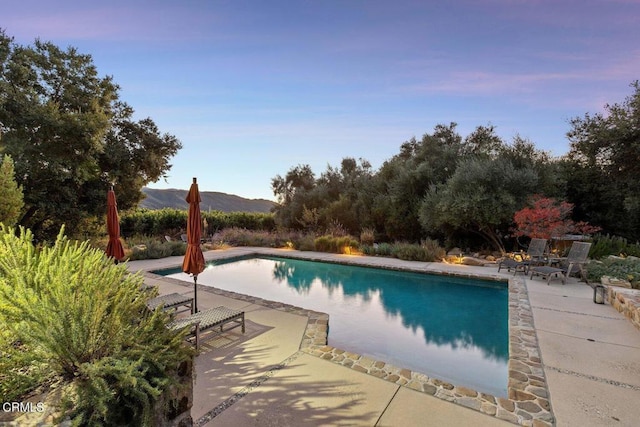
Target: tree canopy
450 187
604 167
71 137
11 197
441 186
481 197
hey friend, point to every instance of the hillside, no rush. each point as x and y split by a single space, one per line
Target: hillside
211 200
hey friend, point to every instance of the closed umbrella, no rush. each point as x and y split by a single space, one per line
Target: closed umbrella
114 247
194 259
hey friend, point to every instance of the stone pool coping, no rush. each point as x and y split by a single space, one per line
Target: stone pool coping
528 395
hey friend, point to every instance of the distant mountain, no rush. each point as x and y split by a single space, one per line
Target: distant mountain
211 200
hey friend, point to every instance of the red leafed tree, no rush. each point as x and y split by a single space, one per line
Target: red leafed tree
547 218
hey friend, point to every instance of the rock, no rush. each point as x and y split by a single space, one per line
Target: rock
613 281
455 252
472 261
452 259
490 258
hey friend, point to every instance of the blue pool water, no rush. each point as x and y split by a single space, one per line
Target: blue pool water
453 329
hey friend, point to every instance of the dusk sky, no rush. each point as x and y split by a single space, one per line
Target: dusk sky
253 88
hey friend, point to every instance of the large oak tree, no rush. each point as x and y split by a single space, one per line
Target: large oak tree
71 137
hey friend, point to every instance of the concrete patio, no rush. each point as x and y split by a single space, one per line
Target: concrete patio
589 355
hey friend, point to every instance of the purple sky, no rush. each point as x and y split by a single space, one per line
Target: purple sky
252 88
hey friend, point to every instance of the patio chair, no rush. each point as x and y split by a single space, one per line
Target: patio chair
210 320
575 260
535 255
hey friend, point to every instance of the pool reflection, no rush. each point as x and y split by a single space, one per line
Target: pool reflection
449 311
449 328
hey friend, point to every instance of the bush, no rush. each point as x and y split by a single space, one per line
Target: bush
605 245
409 252
620 268
243 237
172 222
304 242
433 250
428 251
145 247
384 249
367 236
323 244
69 313
368 250
335 244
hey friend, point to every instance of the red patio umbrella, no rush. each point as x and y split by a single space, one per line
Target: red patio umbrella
114 247
194 259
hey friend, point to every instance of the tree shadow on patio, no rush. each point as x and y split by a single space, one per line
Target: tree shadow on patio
247 379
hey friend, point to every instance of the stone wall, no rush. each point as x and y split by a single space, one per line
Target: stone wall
626 301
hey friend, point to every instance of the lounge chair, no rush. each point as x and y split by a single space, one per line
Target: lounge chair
535 255
575 260
209 320
171 302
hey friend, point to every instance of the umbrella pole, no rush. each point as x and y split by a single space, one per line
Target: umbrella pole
195 293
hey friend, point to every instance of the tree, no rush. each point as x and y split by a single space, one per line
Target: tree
404 180
71 137
481 197
522 153
291 194
604 166
11 197
546 218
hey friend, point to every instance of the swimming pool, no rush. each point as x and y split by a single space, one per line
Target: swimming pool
450 328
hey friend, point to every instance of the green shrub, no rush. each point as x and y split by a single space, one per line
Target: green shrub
433 250
621 268
304 242
73 314
367 236
428 251
176 248
21 368
369 250
335 244
384 249
409 252
346 244
323 244
145 247
605 245
173 222
243 237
